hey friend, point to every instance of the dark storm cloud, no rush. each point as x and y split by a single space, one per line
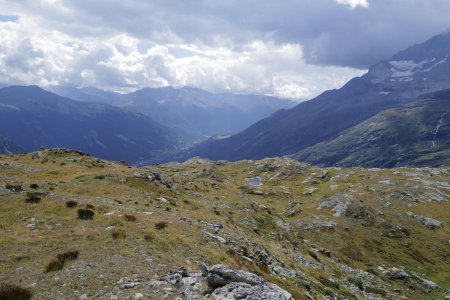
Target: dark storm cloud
288 48
330 33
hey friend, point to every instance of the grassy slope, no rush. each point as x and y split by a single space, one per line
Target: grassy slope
216 193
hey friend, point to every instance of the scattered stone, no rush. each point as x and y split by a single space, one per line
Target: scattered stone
285 226
128 283
429 222
138 296
396 274
323 175
257 192
294 209
36 155
215 237
428 284
222 283
310 191
325 252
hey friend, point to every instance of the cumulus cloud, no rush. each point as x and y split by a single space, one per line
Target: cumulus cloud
354 3
286 48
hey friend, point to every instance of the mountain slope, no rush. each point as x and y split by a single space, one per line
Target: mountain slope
317 233
8 147
417 134
417 70
32 117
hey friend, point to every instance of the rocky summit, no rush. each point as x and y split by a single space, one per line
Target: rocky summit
78 227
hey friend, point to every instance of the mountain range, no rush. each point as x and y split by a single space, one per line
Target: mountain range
195 113
394 115
392 83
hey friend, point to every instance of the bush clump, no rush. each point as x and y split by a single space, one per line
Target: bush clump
13 187
33 198
54 265
85 214
71 204
10 291
160 225
58 263
69 255
374 290
328 283
118 235
357 281
34 186
130 218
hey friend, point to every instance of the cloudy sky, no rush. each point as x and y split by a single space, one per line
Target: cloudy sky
287 48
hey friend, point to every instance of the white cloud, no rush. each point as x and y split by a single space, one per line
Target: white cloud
354 3
34 54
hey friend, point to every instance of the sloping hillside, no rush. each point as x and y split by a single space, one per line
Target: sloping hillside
74 226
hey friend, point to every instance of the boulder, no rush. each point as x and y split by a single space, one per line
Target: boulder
429 222
224 283
396 274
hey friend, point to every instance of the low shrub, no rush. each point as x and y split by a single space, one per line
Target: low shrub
85 214
160 225
69 255
54 265
33 198
58 263
130 218
357 281
10 291
118 235
373 290
71 204
13 187
34 186
328 283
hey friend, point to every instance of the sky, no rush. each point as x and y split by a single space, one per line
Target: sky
286 48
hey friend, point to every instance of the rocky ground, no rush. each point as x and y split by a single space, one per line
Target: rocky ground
76 227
